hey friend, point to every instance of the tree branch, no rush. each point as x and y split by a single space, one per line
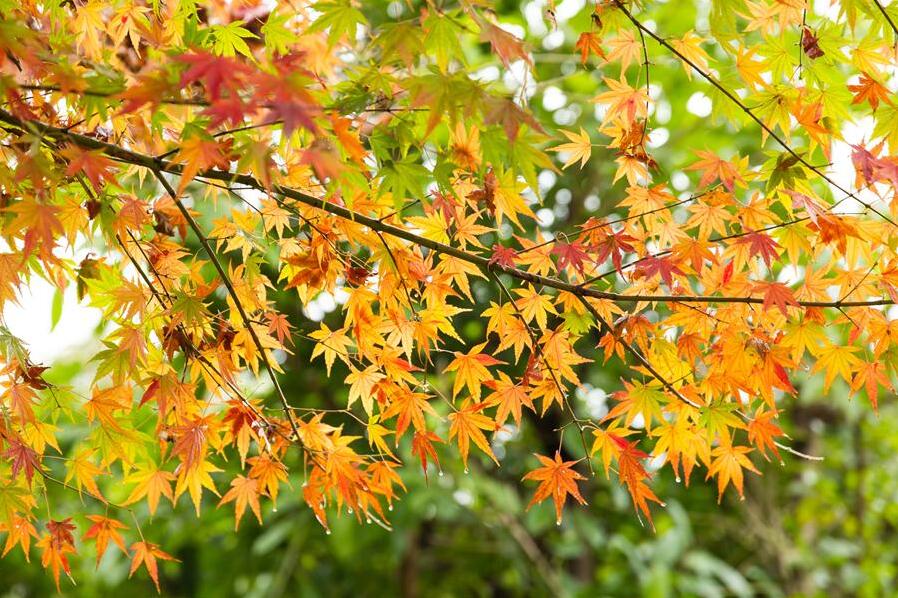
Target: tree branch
482 262
233 293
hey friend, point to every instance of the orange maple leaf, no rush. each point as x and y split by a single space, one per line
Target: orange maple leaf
467 424
244 491
102 531
146 554
557 479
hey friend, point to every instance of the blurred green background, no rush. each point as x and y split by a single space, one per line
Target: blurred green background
805 528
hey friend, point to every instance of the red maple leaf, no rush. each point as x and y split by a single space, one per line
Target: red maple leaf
570 254
288 101
503 256
663 266
615 245
776 294
226 110
22 458
215 72
810 43
92 163
763 245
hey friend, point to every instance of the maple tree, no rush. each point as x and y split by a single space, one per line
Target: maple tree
188 165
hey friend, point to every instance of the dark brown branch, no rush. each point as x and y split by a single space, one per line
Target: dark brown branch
482 262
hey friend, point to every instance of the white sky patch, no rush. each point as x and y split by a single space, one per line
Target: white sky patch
533 12
658 137
545 217
568 9
30 321
679 180
554 98
790 274
553 40
699 104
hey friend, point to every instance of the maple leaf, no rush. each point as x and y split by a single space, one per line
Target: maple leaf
689 46
349 139
146 554
776 294
614 244
19 531
714 167
41 225
84 471
57 544
579 147
216 72
810 205
570 254
503 256
410 408
509 396
632 474
422 447
870 376
191 440
589 43
665 267
199 153
22 458
504 44
869 90
836 360
231 110
727 464
152 483
557 479
362 386
270 473
810 44
331 344
623 100
762 432
761 244
467 424
244 491
288 100
280 327
93 164
470 370
102 531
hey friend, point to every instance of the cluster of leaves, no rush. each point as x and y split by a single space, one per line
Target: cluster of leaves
352 154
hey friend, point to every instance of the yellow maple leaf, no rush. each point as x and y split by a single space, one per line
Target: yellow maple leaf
579 147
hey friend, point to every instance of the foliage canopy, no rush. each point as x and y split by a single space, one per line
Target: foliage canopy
194 169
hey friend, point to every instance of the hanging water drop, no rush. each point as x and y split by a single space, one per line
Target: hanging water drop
349 510
390 508
441 473
558 523
274 509
677 479
327 531
466 471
